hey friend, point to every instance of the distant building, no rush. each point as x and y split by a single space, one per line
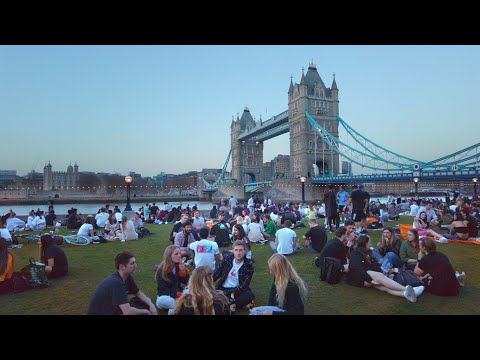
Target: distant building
268 171
54 180
7 175
347 168
281 166
183 181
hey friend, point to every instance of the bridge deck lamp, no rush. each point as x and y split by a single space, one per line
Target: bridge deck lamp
302 180
475 186
128 180
415 181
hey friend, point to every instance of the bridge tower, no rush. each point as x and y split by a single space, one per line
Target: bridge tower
322 104
247 156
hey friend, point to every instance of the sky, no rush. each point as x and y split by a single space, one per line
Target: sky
153 109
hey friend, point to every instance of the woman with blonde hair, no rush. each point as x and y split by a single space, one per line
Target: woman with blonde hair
202 298
127 230
170 276
288 292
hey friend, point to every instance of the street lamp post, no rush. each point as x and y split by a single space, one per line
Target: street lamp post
415 181
302 180
128 180
475 186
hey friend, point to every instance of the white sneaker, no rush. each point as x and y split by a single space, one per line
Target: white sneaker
443 240
461 277
409 294
418 290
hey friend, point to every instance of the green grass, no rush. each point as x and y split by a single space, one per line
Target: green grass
89 265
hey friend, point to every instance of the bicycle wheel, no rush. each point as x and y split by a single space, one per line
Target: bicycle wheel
76 240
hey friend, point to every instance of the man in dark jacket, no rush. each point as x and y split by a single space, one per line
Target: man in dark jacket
235 274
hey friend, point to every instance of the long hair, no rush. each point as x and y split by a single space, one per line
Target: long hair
415 239
3 255
46 241
167 264
284 272
241 232
362 242
392 237
123 225
201 293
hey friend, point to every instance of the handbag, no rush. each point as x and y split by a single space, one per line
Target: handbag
35 275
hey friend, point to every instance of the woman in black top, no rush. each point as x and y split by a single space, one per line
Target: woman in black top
202 298
53 257
288 292
364 271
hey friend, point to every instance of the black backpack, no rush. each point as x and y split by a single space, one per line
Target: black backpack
331 270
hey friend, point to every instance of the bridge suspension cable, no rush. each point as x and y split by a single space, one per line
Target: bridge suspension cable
376 150
220 177
364 159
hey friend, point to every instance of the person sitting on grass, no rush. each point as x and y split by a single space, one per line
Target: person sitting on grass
234 275
422 225
437 271
7 264
388 249
202 298
364 271
111 296
171 276
206 250
409 249
288 291
54 258
127 230
86 229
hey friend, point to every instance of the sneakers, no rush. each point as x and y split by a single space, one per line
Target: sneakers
441 239
409 294
461 277
418 290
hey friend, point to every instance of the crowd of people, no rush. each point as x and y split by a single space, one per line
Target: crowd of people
197 277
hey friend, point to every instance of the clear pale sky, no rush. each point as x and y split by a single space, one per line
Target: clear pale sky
150 109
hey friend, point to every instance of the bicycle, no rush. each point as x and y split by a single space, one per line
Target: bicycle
77 240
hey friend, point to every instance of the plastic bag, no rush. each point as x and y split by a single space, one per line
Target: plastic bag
35 275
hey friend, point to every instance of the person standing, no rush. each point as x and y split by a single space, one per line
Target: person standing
111 296
331 207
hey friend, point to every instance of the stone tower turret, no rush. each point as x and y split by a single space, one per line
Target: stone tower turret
321 103
47 177
247 155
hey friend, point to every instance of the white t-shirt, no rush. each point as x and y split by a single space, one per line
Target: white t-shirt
255 232
5 234
101 219
232 278
205 251
118 216
285 240
84 230
413 209
13 223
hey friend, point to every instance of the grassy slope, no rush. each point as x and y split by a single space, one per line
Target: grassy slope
89 265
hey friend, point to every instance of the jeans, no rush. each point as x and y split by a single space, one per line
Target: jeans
390 256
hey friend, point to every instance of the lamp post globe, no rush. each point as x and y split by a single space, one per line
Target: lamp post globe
475 186
128 180
415 181
302 180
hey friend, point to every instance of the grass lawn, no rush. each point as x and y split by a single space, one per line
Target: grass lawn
89 265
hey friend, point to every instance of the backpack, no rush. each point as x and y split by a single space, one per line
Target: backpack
331 270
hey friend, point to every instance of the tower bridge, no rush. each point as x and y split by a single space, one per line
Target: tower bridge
313 121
